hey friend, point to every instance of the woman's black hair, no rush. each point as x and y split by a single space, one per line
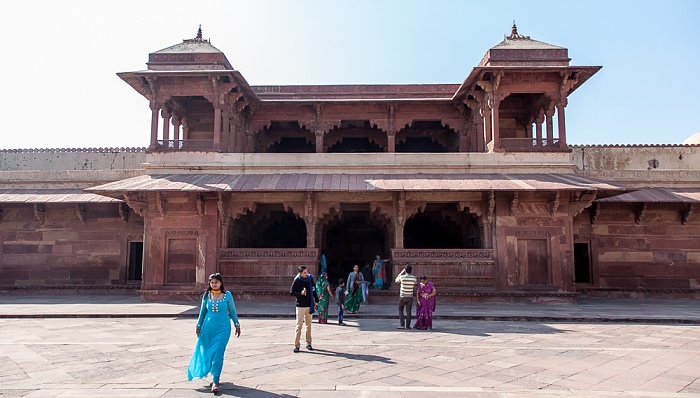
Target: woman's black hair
218 277
424 278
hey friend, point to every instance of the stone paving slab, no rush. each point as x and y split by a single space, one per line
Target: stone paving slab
587 310
147 357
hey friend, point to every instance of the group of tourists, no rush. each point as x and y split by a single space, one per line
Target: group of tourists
217 310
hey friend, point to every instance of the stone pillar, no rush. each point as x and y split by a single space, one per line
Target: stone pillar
538 127
550 126
310 231
496 123
166 126
561 126
154 127
249 144
176 127
226 129
391 142
530 131
217 129
319 141
480 144
399 220
487 132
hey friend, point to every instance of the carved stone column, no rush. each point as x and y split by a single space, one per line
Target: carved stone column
226 128
154 125
550 125
176 127
165 113
399 219
217 127
561 126
319 141
538 127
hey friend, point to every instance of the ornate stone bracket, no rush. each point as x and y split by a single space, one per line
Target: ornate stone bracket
291 206
239 209
595 212
80 212
579 201
514 203
200 204
554 204
472 207
685 214
160 204
639 213
139 206
40 212
123 210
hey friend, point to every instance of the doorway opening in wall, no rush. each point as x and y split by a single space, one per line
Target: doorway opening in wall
135 262
356 238
582 263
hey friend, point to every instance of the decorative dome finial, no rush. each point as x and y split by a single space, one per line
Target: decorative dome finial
199 33
514 29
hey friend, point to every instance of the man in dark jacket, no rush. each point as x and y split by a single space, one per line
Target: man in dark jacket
304 289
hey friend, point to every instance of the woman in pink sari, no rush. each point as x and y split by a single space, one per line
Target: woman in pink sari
425 298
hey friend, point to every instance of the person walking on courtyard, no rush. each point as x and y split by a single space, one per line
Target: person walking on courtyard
354 287
213 332
340 299
306 298
325 294
408 283
379 275
368 277
425 304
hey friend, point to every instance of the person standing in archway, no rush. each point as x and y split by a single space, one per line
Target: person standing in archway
368 277
354 289
379 274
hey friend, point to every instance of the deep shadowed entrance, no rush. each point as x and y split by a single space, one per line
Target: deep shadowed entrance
353 238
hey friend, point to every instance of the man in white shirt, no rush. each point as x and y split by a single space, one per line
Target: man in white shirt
408 283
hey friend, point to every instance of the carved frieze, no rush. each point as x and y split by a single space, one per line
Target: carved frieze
399 255
305 254
182 234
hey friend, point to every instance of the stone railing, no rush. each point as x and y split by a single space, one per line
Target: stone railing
269 267
74 150
542 144
462 268
184 145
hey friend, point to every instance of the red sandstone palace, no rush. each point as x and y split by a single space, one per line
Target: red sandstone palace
473 184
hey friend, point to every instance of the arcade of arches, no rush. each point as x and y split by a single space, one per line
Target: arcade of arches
354 234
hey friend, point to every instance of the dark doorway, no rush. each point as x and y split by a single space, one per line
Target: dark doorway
135 261
582 263
353 239
268 227
442 226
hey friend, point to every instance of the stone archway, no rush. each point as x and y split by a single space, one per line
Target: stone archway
441 226
353 237
268 226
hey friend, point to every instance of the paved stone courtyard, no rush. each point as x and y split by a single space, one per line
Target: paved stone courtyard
72 357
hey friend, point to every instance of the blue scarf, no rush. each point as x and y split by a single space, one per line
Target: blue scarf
311 289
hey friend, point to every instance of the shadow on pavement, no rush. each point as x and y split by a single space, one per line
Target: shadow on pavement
479 328
358 357
230 390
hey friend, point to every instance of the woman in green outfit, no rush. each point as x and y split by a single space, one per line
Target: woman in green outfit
325 294
354 292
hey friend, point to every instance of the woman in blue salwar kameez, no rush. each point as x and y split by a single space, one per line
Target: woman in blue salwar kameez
213 332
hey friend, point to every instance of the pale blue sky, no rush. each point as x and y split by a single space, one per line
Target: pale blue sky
60 59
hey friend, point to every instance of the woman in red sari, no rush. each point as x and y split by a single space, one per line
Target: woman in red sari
425 298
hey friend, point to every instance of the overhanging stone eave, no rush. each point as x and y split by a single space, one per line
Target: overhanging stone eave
134 79
585 72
